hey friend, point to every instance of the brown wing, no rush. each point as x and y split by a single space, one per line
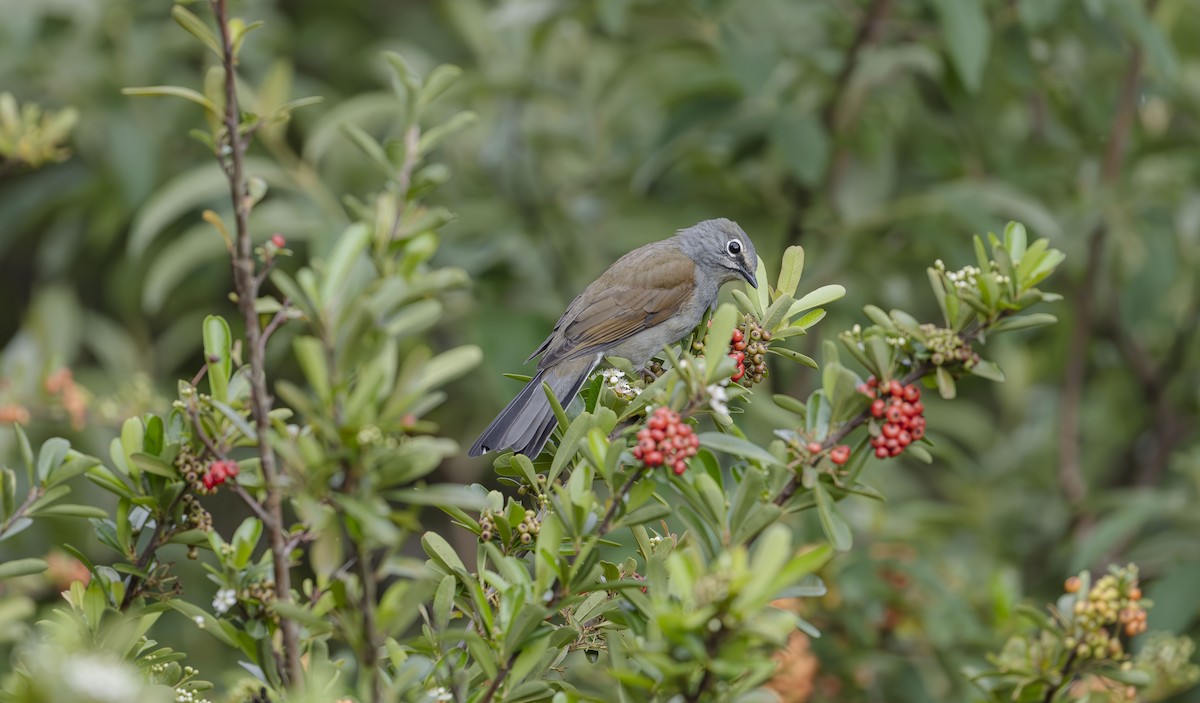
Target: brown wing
642 289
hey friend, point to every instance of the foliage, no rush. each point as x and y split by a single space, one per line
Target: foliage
874 133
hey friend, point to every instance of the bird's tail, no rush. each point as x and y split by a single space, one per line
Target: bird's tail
526 423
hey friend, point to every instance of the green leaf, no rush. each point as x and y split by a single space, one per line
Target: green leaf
434 136
989 370
22 567
197 28
50 456
174 91
310 353
945 383
350 245
1024 322
790 270
443 602
438 82
370 147
967 34
794 356
817 298
832 522
218 343
26 453
717 339
738 447
72 510
441 552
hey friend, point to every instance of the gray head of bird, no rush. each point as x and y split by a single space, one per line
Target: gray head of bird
722 248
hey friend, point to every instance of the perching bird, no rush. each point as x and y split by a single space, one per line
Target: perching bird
647 299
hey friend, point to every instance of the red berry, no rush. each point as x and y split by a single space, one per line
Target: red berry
840 454
882 452
892 444
679 468
904 438
685 429
891 430
907 409
656 423
878 441
278 240
646 444
895 451
737 335
918 432
872 382
741 371
739 346
657 435
672 416
895 388
862 388
895 414
918 408
878 407
814 447
637 452
654 458
912 394
672 429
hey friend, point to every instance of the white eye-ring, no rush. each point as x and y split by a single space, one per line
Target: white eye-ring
734 247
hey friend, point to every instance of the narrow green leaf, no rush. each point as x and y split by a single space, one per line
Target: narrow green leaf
218 343
173 91
832 522
738 447
790 270
197 28
22 567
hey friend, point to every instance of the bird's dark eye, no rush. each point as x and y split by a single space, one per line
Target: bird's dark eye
734 247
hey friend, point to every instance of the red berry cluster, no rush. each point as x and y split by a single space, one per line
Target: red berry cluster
218 472
666 440
838 455
903 415
738 344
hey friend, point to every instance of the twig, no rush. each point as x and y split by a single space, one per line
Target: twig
281 316
157 539
247 291
1066 669
412 143
1070 470
865 34
618 498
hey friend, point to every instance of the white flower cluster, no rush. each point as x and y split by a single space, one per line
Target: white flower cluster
98 680
968 276
441 693
183 695
616 381
225 599
718 399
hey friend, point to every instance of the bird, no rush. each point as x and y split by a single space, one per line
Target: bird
647 299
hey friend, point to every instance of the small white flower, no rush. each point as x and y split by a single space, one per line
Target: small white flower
614 376
939 265
100 680
440 694
856 329
199 620
718 399
225 599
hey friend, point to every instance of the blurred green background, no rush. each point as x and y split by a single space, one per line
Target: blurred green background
879 134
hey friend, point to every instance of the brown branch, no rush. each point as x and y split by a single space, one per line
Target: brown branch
866 33
246 286
157 540
412 143
1070 469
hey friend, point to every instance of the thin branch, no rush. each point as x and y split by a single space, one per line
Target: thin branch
281 316
866 33
1070 469
412 144
247 291
617 500
157 540
1066 678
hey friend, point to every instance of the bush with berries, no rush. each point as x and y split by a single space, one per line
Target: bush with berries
589 574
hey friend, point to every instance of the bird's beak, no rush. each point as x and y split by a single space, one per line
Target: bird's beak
748 274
